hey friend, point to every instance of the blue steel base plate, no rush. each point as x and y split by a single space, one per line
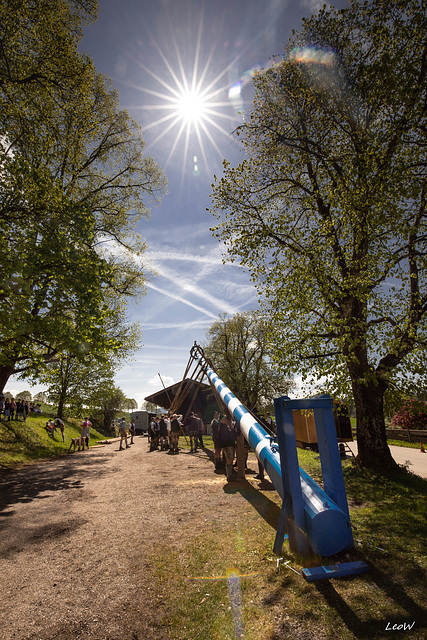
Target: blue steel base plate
335 571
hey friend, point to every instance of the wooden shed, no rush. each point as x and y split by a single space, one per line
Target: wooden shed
305 428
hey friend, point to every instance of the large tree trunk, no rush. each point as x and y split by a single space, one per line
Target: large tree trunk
60 410
373 450
5 372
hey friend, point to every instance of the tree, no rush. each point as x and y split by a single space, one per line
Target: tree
238 349
41 397
104 402
24 395
328 211
412 415
149 406
130 404
71 380
74 184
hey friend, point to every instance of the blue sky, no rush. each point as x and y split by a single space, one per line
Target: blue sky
171 60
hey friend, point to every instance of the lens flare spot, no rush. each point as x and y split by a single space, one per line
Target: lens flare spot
313 55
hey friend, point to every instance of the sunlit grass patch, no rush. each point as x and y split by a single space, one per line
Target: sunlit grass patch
23 442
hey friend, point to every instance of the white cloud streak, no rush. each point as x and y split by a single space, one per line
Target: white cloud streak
174 296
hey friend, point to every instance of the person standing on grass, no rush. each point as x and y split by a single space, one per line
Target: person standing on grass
26 410
6 411
85 432
12 409
61 426
123 434
19 407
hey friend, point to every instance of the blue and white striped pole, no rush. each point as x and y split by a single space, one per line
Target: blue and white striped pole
326 525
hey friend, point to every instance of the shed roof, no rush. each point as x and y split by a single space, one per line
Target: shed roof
189 390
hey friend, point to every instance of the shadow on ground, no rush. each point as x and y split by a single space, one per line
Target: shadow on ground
267 509
38 481
414 618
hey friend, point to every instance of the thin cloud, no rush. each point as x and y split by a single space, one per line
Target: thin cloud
193 287
175 296
195 324
184 257
204 275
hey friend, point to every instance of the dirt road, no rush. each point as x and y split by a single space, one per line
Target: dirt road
74 536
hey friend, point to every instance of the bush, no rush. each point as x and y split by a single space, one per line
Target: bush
412 415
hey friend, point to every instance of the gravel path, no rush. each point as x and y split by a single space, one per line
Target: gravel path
74 532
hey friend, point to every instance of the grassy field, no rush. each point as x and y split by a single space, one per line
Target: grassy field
224 582
24 442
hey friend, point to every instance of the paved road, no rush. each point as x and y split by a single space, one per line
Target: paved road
414 459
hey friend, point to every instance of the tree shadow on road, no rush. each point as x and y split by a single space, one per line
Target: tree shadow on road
39 480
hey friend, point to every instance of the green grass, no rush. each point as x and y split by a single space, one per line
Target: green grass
405 443
390 519
26 442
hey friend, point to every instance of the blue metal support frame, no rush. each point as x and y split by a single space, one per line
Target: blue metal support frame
313 519
292 516
335 571
330 460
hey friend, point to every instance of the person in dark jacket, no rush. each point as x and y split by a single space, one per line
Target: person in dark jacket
217 447
175 432
199 430
192 427
227 435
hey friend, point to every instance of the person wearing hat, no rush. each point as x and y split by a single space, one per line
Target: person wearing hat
192 425
174 432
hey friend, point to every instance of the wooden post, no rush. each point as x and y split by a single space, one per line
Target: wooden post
240 454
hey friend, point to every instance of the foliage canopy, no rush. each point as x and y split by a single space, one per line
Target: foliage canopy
75 182
328 210
238 348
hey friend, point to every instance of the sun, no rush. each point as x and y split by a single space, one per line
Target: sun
187 104
191 106
194 109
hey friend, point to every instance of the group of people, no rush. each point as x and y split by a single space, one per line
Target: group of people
12 409
225 432
164 432
57 423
